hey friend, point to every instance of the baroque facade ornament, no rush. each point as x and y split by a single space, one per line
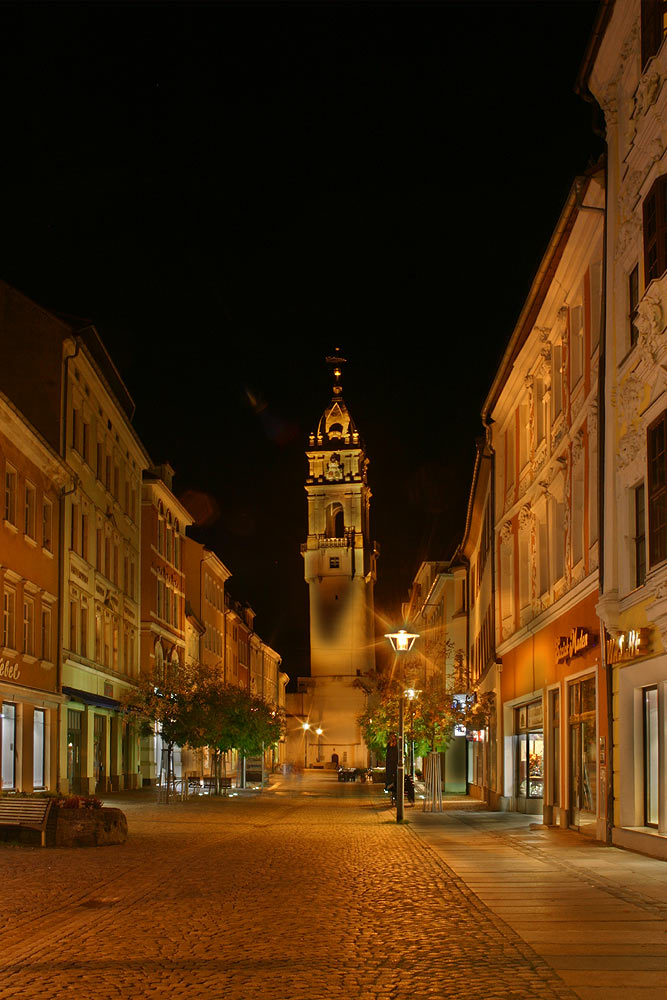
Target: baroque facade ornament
506 532
526 517
630 447
646 94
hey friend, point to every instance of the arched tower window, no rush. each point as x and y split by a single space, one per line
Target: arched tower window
335 527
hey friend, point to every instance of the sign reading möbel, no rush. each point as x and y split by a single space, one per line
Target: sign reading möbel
578 641
9 671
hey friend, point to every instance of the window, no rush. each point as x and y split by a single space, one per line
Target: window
657 491
83 631
38 748
72 627
596 303
99 461
74 528
539 412
334 562
640 535
47 524
177 550
653 24
46 633
29 511
160 535
557 379
98 550
576 344
98 636
85 441
655 230
509 455
633 302
578 511
10 494
7 744
28 626
651 758
524 444
75 428
8 618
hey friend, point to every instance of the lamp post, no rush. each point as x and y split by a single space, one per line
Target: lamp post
319 732
401 642
306 727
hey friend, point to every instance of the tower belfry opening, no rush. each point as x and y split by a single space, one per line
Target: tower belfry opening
340 571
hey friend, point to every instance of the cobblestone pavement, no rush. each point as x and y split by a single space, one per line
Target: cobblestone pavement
307 892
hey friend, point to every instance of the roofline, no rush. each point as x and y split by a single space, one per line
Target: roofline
602 19
540 286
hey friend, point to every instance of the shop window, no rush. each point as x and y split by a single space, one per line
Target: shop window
653 28
583 751
651 761
529 769
39 749
657 490
554 711
655 230
7 746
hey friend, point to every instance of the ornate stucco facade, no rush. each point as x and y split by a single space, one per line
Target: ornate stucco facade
626 72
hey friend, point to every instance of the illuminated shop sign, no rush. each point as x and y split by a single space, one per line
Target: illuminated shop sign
628 645
577 642
9 671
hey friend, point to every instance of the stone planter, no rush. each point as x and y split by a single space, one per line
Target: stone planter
86 827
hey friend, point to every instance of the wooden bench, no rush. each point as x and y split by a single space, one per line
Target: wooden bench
32 814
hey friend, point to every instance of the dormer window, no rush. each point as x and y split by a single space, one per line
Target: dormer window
336 430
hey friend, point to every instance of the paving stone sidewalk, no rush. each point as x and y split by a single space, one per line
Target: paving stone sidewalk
307 892
596 914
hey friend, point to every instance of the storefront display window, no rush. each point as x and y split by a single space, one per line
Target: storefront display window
38 747
583 751
74 749
8 740
530 752
650 698
554 704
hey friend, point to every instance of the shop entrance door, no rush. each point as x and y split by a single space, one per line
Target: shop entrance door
74 750
99 747
583 756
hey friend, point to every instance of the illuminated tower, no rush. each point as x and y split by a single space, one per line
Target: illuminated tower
339 558
339 568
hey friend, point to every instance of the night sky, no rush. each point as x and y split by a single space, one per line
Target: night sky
229 191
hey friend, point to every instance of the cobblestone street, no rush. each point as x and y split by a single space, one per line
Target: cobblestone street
307 891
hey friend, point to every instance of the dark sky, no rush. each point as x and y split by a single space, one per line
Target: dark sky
231 190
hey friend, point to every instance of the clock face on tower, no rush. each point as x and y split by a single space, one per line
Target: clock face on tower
334 471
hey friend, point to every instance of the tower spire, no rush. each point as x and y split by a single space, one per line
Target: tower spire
336 360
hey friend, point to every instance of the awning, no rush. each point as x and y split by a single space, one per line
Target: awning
88 698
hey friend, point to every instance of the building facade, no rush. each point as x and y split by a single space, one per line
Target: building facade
77 401
625 70
542 420
436 611
476 553
163 619
34 479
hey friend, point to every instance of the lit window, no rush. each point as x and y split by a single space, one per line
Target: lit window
10 495
29 510
8 618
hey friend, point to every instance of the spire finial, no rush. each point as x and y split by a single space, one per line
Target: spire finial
336 360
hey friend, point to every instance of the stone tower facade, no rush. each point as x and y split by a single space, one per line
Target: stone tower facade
339 558
340 570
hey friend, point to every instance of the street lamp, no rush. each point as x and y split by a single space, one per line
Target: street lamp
319 732
401 642
306 727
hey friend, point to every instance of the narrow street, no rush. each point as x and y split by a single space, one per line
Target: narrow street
310 890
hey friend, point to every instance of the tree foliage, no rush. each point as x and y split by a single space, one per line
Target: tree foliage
430 716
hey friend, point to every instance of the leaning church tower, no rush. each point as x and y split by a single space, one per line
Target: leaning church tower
340 570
